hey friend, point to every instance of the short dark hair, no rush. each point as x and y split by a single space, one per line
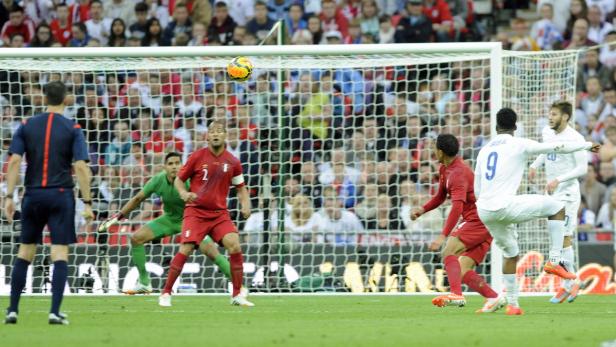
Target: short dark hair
81 26
220 4
55 92
171 155
448 144
506 119
16 8
141 7
564 107
297 5
167 99
384 18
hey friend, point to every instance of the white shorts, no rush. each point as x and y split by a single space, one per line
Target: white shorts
519 209
571 216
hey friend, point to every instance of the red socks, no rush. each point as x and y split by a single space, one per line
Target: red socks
237 272
478 284
175 269
452 266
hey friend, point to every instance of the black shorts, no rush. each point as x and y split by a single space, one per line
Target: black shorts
54 207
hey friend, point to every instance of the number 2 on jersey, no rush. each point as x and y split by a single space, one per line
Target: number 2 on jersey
491 165
205 174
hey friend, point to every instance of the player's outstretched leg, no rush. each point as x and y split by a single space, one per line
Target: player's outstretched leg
570 288
453 247
142 236
231 241
557 229
59 256
175 269
18 280
474 281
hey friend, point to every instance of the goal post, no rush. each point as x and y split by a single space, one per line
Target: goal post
354 125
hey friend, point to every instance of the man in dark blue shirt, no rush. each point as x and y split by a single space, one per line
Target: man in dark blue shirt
53 145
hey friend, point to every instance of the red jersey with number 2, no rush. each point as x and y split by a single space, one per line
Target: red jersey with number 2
210 177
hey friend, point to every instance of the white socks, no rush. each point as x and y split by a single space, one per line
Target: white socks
511 287
568 259
556 228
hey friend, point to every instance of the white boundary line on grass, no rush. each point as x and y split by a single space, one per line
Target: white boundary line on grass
277 294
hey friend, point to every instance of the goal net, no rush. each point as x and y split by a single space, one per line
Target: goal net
336 143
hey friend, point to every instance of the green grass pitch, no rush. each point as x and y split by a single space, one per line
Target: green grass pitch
309 321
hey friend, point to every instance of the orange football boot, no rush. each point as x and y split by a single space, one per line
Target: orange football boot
558 270
513 311
449 300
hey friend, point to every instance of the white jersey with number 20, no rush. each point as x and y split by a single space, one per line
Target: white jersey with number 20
566 168
500 166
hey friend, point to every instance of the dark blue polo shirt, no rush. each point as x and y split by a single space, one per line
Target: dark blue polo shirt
51 143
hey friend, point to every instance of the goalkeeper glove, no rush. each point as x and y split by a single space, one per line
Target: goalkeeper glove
110 222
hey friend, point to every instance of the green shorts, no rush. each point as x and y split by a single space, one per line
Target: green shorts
164 226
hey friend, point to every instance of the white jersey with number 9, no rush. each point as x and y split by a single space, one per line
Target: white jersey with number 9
501 163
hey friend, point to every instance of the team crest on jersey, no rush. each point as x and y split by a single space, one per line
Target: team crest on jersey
204 166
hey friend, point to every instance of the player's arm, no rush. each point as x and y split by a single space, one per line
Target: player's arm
477 178
129 207
244 197
133 203
458 188
581 168
242 191
532 171
180 185
82 171
16 151
186 172
84 177
12 178
535 148
435 202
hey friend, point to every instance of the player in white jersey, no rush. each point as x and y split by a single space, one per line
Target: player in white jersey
562 172
498 172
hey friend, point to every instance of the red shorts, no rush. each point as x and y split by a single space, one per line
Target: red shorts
476 237
196 228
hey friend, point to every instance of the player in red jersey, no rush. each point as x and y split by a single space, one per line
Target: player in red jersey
468 244
212 171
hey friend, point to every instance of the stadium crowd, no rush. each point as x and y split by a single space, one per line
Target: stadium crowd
359 141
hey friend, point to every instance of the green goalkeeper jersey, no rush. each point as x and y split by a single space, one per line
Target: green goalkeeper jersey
173 205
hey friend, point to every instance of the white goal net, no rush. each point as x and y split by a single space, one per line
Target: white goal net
337 145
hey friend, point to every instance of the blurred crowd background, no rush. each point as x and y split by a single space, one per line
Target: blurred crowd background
358 142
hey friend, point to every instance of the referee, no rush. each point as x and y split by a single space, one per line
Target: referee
52 144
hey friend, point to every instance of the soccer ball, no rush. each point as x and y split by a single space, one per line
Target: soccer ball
239 69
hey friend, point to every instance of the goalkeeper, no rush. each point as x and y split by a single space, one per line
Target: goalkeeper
169 224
